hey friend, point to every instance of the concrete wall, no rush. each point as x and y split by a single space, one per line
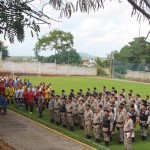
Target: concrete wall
45 68
138 75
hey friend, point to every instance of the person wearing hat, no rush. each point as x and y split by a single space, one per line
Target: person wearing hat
96 125
75 104
107 126
148 100
144 120
63 113
93 104
104 90
51 108
72 93
138 100
129 99
69 110
81 113
88 93
95 91
63 93
124 93
132 95
41 105
57 104
88 119
112 116
128 129
120 118
113 88
135 119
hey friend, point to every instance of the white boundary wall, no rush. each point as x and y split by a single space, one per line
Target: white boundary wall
138 75
45 68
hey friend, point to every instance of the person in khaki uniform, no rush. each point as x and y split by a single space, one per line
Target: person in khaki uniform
88 119
63 113
107 126
128 129
144 120
51 108
96 125
81 114
69 109
75 111
120 118
57 105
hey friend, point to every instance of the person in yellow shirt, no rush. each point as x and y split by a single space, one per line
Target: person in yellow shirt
7 91
11 94
47 93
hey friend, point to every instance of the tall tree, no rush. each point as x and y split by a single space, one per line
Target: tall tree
134 56
4 50
17 15
57 40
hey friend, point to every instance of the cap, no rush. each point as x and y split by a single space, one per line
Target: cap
120 107
88 105
129 114
106 110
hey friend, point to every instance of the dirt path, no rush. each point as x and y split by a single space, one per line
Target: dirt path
25 135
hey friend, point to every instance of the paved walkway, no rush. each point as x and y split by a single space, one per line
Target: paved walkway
22 134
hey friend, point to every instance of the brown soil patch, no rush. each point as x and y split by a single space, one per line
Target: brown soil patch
5 146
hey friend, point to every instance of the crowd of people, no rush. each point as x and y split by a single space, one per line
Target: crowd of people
103 111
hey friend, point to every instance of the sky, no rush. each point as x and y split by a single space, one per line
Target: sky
97 33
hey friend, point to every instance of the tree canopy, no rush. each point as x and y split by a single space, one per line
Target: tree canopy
17 15
57 40
134 56
4 50
64 57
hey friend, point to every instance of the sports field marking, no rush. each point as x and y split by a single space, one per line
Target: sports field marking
99 145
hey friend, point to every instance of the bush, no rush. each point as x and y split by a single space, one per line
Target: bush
101 71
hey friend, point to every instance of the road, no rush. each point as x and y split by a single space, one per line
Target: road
22 134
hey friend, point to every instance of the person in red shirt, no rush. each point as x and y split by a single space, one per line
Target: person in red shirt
25 96
30 100
37 94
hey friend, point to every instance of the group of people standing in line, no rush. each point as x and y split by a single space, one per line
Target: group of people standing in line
103 111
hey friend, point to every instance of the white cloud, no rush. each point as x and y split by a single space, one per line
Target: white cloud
97 33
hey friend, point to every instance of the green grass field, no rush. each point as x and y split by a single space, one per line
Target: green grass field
67 83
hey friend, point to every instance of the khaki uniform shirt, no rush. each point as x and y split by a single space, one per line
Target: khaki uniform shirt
128 125
69 107
88 117
57 105
120 119
81 110
75 107
96 119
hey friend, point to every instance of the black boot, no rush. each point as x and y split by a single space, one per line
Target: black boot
71 128
76 124
144 138
52 120
107 143
64 126
97 140
57 123
89 137
133 139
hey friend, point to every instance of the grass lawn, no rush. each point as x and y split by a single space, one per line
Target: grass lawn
66 83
